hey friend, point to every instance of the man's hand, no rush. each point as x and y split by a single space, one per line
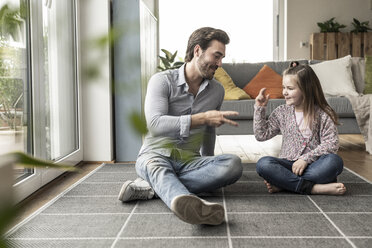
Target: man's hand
213 118
299 167
262 99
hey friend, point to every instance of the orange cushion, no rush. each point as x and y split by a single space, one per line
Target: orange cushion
265 78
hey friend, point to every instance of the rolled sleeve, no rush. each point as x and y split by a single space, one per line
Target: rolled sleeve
185 121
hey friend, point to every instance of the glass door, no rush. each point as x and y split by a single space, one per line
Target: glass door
60 88
14 82
45 99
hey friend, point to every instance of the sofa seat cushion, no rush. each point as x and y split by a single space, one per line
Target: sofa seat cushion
342 106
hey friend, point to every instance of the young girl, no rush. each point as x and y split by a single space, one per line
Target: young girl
307 163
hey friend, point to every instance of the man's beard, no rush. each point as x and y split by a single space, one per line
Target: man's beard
205 68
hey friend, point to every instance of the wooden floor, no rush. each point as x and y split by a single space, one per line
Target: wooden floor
352 150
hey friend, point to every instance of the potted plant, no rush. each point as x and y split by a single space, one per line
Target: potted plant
330 26
360 27
330 43
359 32
323 45
167 62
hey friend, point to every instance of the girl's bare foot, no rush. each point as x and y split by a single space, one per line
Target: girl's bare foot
271 188
329 189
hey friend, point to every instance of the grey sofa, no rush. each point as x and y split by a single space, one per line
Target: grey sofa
241 73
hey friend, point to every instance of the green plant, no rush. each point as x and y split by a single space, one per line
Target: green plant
168 62
330 26
360 27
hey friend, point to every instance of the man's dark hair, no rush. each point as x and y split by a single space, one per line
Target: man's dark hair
203 37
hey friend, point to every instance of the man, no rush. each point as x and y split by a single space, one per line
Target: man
182 111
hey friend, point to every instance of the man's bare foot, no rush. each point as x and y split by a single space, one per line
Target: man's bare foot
271 188
329 189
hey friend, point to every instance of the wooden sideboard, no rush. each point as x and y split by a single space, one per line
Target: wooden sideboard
326 46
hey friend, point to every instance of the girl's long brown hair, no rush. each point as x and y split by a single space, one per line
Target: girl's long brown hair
312 92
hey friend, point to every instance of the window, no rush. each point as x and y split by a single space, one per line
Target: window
60 90
14 82
248 23
39 110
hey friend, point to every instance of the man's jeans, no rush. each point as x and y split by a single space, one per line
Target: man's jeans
171 176
279 173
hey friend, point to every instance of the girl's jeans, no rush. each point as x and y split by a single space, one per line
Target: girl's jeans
279 173
172 176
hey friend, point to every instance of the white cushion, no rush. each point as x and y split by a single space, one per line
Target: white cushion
336 77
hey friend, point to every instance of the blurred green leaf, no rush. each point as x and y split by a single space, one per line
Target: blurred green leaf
7 214
20 158
138 123
185 154
113 35
3 243
91 71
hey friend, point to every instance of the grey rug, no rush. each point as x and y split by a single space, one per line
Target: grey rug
88 214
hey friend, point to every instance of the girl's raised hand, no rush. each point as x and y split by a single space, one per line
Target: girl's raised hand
262 99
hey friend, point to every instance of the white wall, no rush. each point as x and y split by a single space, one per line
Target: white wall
303 15
96 91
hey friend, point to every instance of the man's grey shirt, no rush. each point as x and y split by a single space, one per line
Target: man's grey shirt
168 110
